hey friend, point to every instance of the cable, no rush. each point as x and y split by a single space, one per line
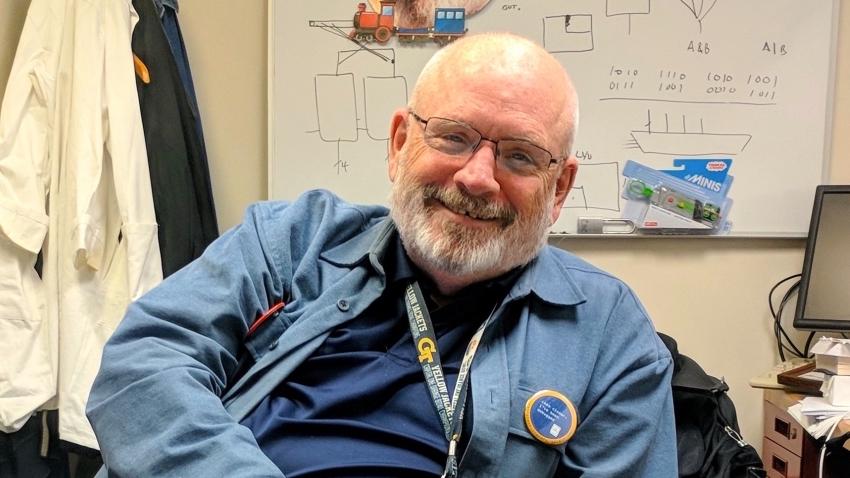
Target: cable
826 439
788 294
776 319
778 330
777 316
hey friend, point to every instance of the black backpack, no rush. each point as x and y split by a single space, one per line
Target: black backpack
708 437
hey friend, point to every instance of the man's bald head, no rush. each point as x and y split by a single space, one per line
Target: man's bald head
514 61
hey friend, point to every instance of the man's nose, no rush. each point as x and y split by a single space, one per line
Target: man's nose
478 175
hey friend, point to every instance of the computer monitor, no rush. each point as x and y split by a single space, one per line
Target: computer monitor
824 297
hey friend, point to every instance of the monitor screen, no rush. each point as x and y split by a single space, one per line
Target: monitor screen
824 300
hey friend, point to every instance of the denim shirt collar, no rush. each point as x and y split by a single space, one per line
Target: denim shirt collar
372 243
539 277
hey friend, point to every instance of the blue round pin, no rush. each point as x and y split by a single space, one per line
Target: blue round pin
550 417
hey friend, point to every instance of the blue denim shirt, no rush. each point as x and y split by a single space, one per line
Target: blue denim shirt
164 404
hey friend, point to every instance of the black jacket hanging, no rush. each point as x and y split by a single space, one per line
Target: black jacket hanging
179 174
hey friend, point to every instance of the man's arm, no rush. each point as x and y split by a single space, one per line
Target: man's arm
155 404
630 428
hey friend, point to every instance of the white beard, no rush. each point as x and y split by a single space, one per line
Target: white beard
459 250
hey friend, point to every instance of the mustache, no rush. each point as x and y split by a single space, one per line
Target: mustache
480 208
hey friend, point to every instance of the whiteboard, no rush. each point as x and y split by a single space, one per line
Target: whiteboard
751 81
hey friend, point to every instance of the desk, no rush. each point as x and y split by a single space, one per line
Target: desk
788 451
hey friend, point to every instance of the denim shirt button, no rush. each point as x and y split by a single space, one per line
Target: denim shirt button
342 305
273 345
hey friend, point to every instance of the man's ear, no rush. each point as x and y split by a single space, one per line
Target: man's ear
563 184
398 136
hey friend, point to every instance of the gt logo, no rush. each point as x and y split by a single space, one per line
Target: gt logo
425 346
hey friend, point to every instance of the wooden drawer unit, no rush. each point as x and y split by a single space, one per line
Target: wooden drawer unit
779 462
783 429
787 450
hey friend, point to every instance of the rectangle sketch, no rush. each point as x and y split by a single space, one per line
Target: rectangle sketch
568 33
381 97
597 187
626 7
335 108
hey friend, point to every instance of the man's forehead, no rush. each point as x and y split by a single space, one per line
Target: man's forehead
537 121
501 86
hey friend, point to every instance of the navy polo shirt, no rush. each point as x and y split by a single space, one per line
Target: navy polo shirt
359 406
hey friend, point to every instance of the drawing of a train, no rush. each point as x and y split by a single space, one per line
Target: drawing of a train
449 24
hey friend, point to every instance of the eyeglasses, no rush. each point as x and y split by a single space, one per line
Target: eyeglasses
460 140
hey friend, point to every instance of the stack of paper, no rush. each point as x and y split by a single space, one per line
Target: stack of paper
832 355
819 408
836 390
818 415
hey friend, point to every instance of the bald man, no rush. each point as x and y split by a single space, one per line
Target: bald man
441 337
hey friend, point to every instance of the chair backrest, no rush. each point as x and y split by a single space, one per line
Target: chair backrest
707 432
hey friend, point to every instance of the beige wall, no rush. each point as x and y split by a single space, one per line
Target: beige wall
710 294
12 14
226 44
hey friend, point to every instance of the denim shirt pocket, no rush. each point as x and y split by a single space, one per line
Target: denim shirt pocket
258 344
522 449
265 336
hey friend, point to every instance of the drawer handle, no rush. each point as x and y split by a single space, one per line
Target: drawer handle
779 465
784 428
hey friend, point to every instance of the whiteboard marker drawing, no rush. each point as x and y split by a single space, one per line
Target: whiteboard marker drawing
699 9
596 187
364 85
614 8
568 33
684 142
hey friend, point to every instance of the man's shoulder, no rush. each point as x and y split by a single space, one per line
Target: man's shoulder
314 213
578 270
315 205
609 296
601 293
317 219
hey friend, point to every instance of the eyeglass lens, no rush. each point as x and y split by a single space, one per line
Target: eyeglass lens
458 139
